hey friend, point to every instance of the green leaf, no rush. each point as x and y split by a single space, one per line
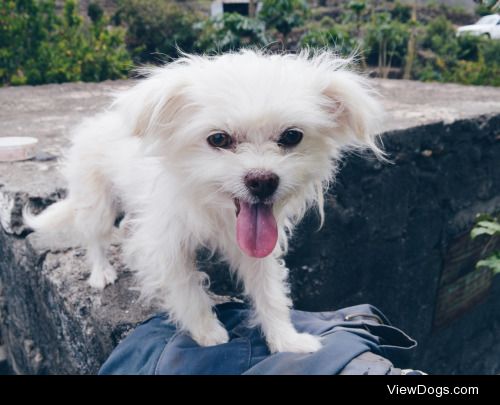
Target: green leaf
492 262
480 231
495 226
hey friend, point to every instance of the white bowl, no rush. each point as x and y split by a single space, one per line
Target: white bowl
14 148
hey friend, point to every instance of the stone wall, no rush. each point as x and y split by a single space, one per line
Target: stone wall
387 236
390 237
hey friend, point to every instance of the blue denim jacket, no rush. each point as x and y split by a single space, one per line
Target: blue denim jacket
356 340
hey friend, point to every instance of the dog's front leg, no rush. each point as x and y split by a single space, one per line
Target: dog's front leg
190 306
168 272
265 282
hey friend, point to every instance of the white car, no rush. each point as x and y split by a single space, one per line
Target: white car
489 26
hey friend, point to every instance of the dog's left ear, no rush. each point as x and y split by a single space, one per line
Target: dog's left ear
355 110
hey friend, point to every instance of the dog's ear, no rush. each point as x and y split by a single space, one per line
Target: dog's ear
159 111
355 111
155 104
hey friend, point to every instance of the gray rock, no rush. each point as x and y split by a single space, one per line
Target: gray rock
386 240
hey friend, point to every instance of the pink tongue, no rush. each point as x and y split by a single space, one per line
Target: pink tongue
256 229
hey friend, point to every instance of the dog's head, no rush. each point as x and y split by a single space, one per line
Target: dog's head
256 135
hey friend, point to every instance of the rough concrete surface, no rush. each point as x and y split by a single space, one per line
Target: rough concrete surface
386 235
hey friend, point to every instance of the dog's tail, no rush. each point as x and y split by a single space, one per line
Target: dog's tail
55 217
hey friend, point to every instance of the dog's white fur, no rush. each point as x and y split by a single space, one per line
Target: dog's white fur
148 155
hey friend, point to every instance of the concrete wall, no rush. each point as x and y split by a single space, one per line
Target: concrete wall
388 233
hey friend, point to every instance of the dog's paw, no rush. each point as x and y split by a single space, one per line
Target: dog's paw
100 278
295 343
215 335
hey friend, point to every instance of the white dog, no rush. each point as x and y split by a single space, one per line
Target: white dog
225 152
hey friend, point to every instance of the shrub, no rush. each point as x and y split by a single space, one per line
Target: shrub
490 50
440 37
230 31
284 15
95 12
327 22
401 12
473 73
386 42
357 8
478 64
338 37
156 27
438 50
466 59
468 47
38 45
487 7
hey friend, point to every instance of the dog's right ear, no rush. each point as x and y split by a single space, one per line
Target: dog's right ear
154 105
159 111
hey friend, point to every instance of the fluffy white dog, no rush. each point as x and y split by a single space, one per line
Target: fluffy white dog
225 152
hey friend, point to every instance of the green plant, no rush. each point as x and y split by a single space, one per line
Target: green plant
357 8
327 22
490 51
284 15
466 59
487 7
230 31
156 27
386 42
440 37
438 51
95 12
39 45
338 38
479 62
469 47
401 12
488 225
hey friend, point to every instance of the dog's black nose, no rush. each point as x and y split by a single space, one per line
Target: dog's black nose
262 184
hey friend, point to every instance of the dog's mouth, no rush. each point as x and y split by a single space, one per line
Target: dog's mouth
256 228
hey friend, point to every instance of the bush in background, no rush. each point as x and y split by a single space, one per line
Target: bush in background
483 70
465 59
95 12
38 45
401 12
284 15
338 37
230 31
156 28
438 49
385 42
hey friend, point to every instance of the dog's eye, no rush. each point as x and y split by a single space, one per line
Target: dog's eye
220 140
290 137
